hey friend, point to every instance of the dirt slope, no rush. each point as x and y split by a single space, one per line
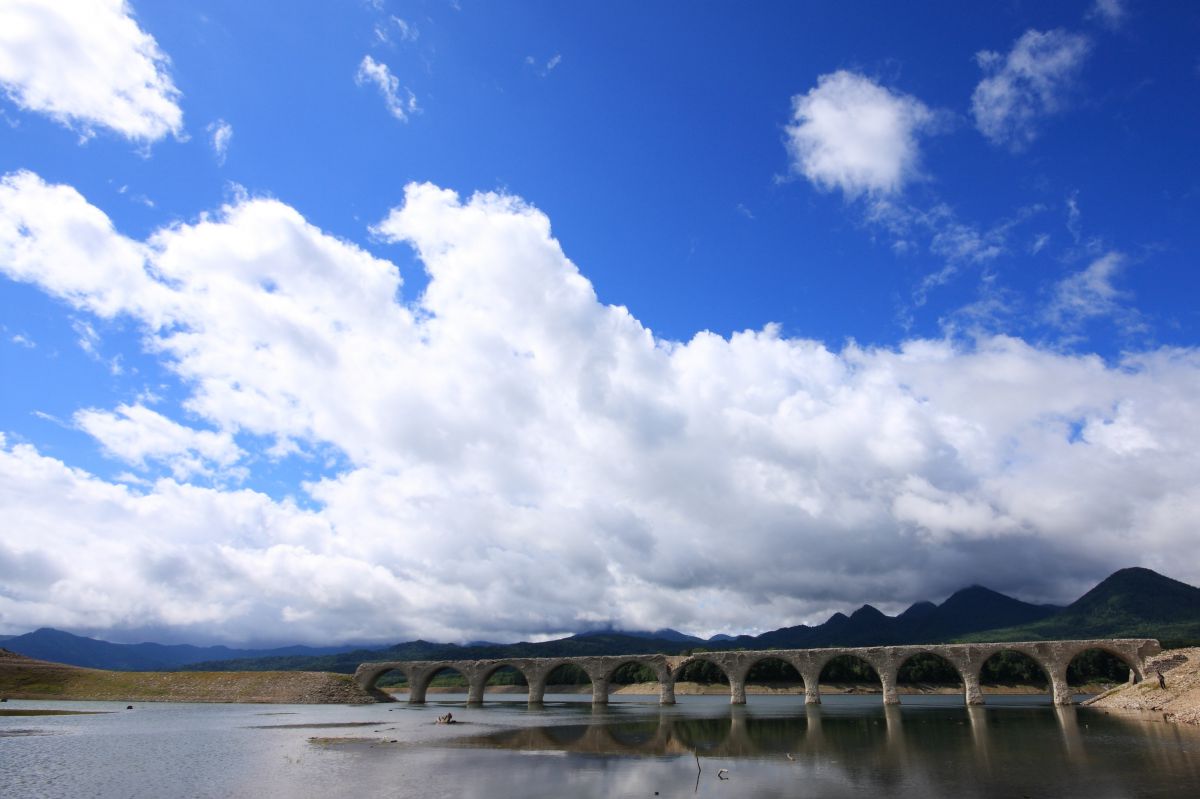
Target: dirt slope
26 678
1179 701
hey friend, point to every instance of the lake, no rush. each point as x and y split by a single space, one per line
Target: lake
931 746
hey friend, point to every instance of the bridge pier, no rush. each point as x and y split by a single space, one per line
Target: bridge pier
972 693
890 695
535 677
666 691
1059 687
737 690
475 689
600 690
812 686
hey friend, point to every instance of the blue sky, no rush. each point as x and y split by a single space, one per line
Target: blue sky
370 320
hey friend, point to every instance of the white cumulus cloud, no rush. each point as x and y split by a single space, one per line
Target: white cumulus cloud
135 434
51 235
86 64
852 134
515 457
1028 84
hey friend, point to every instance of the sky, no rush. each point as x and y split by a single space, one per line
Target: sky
372 320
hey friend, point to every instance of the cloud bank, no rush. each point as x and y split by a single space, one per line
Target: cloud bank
518 458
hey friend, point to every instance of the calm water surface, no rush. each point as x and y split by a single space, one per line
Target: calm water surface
772 747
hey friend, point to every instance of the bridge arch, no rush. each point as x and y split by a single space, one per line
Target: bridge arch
651 664
709 668
420 681
846 666
368 676
1105 659
483 676
928 666
767 668
699 665
539 678
1000 667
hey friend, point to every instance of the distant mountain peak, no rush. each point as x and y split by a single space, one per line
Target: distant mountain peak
917 611
1141 591
1130 603
867 613
663 634
1137 578
975 591
1137 570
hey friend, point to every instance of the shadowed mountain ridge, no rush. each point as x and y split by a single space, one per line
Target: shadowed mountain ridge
1133 602
1130 603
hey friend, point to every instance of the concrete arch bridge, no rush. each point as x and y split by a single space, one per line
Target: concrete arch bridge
967 659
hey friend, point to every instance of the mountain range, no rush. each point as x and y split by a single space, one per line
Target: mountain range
1134 602
62 647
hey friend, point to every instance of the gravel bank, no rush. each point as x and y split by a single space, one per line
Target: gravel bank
1179 701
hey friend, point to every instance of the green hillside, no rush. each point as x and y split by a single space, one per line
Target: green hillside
1131 603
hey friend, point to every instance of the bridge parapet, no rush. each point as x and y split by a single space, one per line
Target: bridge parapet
1052 656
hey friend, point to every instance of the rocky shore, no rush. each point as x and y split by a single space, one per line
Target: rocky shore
1178 701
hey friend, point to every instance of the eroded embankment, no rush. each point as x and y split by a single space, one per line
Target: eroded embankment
1178 701
26 678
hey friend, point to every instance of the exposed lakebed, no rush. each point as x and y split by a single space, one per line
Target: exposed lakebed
932 746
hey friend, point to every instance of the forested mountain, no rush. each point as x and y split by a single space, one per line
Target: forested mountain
1130 603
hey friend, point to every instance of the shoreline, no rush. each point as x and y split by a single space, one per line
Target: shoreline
1178 702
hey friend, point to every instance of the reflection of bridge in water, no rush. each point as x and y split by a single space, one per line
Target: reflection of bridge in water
1016 750
1053 657
744 735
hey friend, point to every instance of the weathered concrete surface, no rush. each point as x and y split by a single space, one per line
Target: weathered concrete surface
1052 656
